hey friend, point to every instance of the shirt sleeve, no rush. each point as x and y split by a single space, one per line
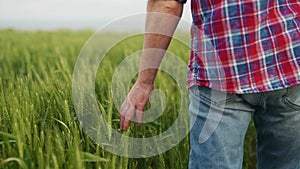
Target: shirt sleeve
181 1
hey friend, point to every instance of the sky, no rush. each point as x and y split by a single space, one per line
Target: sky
68 14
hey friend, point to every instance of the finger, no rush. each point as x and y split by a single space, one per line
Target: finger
128 116
121 121
139 117
124 108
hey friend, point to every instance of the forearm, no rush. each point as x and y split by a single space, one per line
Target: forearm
160 27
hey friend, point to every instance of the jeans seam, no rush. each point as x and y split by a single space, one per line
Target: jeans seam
261 98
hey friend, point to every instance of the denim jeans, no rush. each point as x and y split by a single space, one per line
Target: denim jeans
276 118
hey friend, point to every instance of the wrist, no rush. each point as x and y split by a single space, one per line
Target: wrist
145 82
147 77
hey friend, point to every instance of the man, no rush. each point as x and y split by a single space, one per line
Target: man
248 50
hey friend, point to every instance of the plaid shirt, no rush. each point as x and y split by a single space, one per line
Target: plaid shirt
245 46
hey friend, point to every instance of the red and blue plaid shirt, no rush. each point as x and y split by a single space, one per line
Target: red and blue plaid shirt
245 46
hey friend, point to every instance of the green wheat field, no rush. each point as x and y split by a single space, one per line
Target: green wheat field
38 124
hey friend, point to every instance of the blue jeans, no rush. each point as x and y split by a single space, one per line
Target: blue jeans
276 118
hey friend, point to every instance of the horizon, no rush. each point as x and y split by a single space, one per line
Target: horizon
67 14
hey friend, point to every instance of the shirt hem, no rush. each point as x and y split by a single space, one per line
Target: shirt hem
239 91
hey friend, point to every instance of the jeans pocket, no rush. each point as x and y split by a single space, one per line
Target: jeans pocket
292 97
212 96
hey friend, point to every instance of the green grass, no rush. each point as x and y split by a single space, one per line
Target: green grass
38 124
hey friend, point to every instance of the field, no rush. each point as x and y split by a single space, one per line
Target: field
38 124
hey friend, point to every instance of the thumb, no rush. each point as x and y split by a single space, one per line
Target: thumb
139 117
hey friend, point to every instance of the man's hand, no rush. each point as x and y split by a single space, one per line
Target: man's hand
160 27
135 103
